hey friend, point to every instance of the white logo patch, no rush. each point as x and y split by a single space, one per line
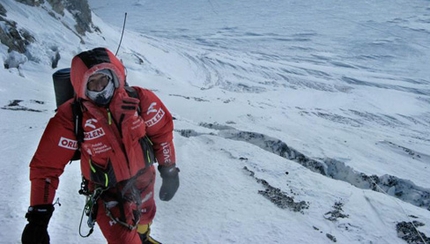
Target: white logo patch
89 123
94 134
151 108
68 143
166 152
157 117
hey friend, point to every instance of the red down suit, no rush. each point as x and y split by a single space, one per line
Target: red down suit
112 139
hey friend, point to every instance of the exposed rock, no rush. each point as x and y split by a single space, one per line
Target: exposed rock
402 189
57 6
277 196
31 2
408 231
2 11
17 38
14 60
331 237
336 213
14 38
82 14
79 9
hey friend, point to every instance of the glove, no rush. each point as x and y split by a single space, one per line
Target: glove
170 184
36 231
132 125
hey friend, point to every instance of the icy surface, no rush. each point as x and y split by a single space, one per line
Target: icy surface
296 121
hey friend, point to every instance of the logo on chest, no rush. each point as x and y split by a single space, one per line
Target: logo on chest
89 123
93 134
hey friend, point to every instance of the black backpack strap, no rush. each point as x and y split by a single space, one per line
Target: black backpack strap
145 142
133 93
79 131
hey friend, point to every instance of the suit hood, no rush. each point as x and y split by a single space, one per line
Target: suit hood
89 62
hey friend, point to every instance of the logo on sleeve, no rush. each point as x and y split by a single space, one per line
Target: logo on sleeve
166 152
68 143
151 108
157 118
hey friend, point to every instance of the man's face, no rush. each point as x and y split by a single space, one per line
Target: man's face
97 82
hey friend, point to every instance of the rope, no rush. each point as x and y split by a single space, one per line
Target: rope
122 33
403 210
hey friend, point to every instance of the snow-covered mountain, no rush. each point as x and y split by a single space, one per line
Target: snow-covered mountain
296 121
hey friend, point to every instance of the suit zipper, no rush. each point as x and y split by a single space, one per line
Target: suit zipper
118 126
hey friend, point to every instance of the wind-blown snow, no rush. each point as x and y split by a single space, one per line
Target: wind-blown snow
296 121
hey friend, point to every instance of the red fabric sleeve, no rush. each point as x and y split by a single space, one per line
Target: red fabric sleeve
56 147
159 126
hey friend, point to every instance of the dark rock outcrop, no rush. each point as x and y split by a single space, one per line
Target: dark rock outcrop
17 38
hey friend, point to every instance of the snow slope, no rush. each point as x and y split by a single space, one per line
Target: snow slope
296 122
